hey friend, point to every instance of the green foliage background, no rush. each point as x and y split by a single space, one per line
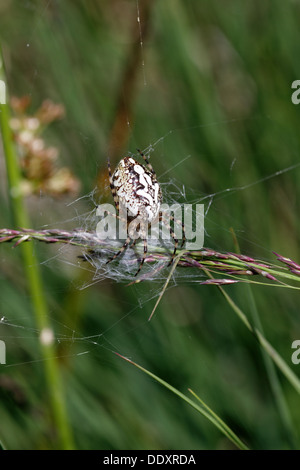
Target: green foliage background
215 87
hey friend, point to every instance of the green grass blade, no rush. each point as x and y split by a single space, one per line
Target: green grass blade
281 364
204 409
33 277
2 446
275 385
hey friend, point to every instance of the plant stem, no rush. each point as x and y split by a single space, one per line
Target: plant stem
275 385
32 274
281 364
204 409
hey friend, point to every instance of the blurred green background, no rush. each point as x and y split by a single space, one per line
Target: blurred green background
209 89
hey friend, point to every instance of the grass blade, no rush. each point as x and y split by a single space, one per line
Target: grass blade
281 364
204 409
33 277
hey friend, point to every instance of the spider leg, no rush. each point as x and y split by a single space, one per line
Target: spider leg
123 248
178 222
175 247
172 233
134 242
147 163
183 232
112 188
144 256
117 204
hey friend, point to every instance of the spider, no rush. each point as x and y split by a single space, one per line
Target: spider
135 187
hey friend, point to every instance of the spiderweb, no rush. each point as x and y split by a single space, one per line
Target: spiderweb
72 280
118 272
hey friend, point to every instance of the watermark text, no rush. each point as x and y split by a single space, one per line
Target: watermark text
296 354
174 222
2 352
2 92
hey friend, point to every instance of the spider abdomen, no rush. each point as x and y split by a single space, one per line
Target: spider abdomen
137 189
